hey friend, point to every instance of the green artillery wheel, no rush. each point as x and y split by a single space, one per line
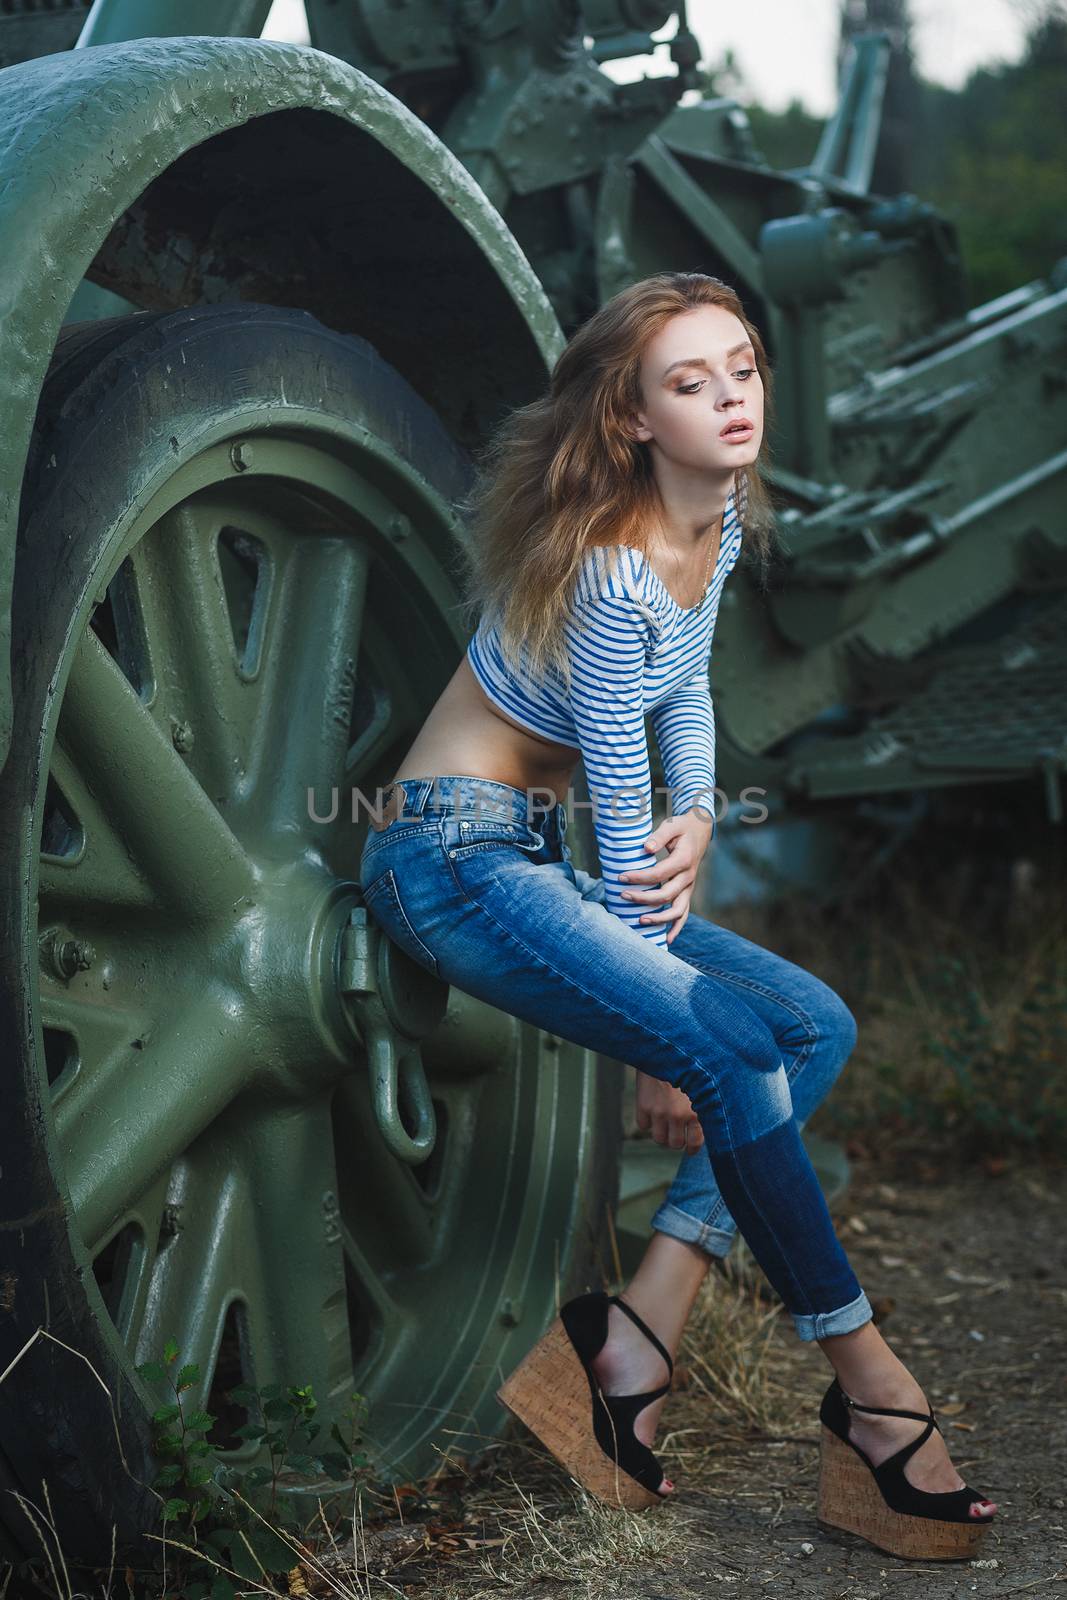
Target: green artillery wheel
235 594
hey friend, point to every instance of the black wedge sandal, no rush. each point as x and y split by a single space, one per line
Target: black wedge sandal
879 1503
550 1391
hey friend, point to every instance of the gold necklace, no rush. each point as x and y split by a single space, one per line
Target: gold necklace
707 579
704 591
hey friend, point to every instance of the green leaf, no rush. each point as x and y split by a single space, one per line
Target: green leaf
168 1477
170 1351
168 1444
167 1414
174 1508
250 1430
152 1371
271 1391
200 1419
257 1475
302 1463
199 1447
277 1409
188 1375
335 1464
198 1472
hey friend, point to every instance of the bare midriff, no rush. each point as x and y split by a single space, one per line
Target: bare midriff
465 732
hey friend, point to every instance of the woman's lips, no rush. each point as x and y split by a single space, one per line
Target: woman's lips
738 434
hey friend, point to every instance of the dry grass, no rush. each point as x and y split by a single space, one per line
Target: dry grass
732 1388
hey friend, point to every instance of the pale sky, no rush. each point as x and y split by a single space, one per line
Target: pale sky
786 49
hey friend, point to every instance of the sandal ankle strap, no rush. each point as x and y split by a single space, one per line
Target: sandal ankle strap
888 1411
623 1305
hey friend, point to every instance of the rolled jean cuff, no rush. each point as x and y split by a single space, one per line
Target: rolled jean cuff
826 1323
679 1224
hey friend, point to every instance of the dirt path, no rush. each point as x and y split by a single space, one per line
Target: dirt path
969 1280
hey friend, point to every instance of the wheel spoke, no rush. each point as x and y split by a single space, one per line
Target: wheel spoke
200 1265
172 829
298 1315
309 677
127 1282
125 1120
190 641
98 872
98 1033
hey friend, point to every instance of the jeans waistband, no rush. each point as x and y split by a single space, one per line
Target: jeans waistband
460 795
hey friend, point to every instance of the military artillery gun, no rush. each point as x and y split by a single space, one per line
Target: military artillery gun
260 302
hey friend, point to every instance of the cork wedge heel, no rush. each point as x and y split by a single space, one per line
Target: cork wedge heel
879 1503
554 1392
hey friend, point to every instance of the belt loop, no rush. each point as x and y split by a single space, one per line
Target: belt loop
418 800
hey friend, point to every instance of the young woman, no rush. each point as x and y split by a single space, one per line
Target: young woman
606 519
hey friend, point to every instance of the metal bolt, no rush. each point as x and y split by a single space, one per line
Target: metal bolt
63 956
241 455
83 955
183 736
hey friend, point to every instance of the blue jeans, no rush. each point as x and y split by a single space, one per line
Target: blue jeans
475 882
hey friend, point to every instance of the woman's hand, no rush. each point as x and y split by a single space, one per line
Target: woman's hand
668 1113
686 837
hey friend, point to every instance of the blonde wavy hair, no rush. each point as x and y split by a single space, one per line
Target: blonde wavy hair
562 474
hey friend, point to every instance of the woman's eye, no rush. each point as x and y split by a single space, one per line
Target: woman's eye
691 388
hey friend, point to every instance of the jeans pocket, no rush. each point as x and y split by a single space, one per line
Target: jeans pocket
382 899
463 836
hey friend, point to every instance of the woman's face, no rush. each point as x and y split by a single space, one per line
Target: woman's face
698 375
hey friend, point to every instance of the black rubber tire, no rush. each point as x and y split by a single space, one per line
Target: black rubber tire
56 1423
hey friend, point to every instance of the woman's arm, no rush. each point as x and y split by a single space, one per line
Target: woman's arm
684 724
607 637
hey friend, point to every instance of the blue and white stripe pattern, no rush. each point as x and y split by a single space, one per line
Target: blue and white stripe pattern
634 652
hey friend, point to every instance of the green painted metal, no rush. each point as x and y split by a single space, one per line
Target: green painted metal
113 21
89 139
207 1127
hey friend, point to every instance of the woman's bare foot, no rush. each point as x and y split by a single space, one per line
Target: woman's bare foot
870 1373
630 1364
929 1467
661 1291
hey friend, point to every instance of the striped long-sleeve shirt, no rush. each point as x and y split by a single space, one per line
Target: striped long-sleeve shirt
633 652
